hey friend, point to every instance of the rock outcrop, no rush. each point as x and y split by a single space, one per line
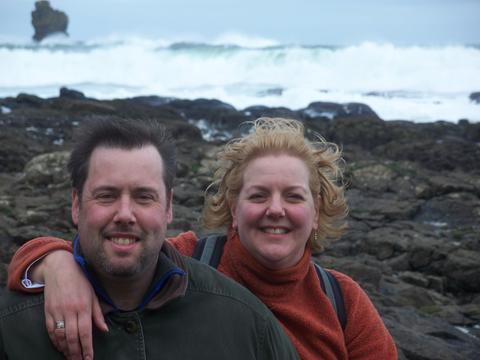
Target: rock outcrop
47 21
475 97
413 189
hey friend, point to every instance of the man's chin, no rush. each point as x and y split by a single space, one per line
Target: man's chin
122 270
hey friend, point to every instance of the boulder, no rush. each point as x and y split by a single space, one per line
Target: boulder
329 110
47 21
437 153
254 112
475 97
217 120
456 209
365 131
422 337
48 169
462 271
71 94
29 100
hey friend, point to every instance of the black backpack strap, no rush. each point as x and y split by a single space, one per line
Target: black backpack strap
332 289
209 249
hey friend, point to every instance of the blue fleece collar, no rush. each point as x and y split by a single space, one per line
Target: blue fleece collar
103 295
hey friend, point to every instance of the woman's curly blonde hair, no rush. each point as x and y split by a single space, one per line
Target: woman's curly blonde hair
281 136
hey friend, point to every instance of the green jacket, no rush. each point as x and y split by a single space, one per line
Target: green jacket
213 318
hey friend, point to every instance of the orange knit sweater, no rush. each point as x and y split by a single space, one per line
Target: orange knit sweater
294 295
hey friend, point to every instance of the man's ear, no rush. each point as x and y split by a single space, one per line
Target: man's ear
75 206
170 208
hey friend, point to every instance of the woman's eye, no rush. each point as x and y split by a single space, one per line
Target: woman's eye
256 197
295 197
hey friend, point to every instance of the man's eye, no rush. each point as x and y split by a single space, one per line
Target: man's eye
105 197
145 198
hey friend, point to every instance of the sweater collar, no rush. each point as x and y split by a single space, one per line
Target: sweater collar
266 283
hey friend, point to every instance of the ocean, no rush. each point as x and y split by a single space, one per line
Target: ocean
416 83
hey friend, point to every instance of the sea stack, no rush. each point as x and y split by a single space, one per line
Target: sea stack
47 21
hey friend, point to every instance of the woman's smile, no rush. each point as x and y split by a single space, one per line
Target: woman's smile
275 212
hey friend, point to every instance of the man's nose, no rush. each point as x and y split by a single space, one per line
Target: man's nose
125 211
275 207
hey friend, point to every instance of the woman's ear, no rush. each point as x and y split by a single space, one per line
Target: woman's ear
316 205
233 213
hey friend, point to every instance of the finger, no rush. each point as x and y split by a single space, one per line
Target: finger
71 337
51 317
98 317
61 341
57 336
85 334
50 323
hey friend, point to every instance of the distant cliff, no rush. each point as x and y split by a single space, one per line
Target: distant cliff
47 21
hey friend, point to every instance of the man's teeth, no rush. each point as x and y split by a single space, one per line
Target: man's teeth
123 241
275 230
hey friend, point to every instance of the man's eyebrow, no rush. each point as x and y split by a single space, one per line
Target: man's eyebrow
104 188
145 189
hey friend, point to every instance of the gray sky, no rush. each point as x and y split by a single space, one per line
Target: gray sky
335 22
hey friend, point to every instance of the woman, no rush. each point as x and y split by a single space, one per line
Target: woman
275 192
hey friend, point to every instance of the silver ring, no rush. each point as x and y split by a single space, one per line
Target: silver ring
59 325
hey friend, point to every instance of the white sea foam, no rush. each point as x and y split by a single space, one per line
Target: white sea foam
412 83
242 40
5 110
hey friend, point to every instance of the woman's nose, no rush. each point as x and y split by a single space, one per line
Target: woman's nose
275 208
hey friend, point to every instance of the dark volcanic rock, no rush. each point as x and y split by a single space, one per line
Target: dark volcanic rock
413 189
71 94
443 153
420 337
475 97
366 131
47 21
29 100
255 112
215 115
48 169
333 110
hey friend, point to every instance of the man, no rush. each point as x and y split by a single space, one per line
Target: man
158 304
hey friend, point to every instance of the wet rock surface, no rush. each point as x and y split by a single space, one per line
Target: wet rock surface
413 189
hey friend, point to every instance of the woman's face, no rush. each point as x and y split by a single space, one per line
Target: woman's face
275 212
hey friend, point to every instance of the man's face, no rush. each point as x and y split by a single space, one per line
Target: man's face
123 211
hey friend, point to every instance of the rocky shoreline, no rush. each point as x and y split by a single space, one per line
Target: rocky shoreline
413 189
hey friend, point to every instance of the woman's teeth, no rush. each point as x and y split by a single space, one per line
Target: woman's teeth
275 230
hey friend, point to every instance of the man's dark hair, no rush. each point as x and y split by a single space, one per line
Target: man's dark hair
122 134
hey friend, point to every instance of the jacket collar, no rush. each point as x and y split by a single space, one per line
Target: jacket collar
169 281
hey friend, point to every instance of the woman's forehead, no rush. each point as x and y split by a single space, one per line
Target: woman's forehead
278 168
